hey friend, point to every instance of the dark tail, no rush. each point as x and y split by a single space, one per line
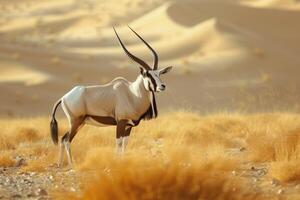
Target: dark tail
53 124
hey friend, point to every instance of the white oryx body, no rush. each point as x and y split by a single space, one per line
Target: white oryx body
119 99
121 103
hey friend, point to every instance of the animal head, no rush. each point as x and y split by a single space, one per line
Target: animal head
152 80
151 75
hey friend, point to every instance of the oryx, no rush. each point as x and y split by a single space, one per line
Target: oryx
121 103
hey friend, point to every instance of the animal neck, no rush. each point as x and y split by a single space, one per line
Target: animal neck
138 88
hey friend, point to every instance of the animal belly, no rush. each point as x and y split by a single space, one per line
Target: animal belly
100 121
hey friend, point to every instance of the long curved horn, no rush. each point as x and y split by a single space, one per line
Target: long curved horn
134 58
155 62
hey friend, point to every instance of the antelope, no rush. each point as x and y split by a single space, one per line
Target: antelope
120 103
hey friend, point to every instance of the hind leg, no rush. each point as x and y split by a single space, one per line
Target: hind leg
76 124
61 153
62 146
68 150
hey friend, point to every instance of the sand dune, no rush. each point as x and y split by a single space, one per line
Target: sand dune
222 32
249 47
279 4
16 72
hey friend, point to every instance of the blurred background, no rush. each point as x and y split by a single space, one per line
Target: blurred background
228 55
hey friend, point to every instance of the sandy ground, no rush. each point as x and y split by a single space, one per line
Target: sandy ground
227 55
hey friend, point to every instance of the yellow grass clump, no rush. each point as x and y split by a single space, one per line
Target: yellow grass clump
180 155
6 161
175 177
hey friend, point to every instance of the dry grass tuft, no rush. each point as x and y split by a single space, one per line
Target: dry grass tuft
35 166
6 161
27 135
286 171
199 158
177 178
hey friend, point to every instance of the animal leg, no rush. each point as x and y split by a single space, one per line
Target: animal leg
121 125
119 144
125 138
66 143
75 125
66 136
62 146
61 153
68 150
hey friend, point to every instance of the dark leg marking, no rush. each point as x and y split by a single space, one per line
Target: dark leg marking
76 124
104 120
136 122
65 137
127 132
121 126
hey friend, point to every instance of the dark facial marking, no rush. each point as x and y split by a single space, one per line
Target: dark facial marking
152 80
149 86
142 72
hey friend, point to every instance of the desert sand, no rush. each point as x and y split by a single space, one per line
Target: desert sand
236 55
228 56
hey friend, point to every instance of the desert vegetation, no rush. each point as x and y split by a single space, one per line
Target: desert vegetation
181 155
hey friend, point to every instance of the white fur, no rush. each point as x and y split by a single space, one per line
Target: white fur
125 142
61 155
68 150
119 99
119 142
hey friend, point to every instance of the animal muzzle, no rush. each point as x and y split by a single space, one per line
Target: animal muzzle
161 88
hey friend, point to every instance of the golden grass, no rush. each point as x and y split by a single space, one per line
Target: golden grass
180 155
6 161
177 178
286 171
33 166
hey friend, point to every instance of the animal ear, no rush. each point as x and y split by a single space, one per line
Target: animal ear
165 70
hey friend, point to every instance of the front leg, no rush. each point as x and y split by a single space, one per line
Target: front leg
126 137
121 126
